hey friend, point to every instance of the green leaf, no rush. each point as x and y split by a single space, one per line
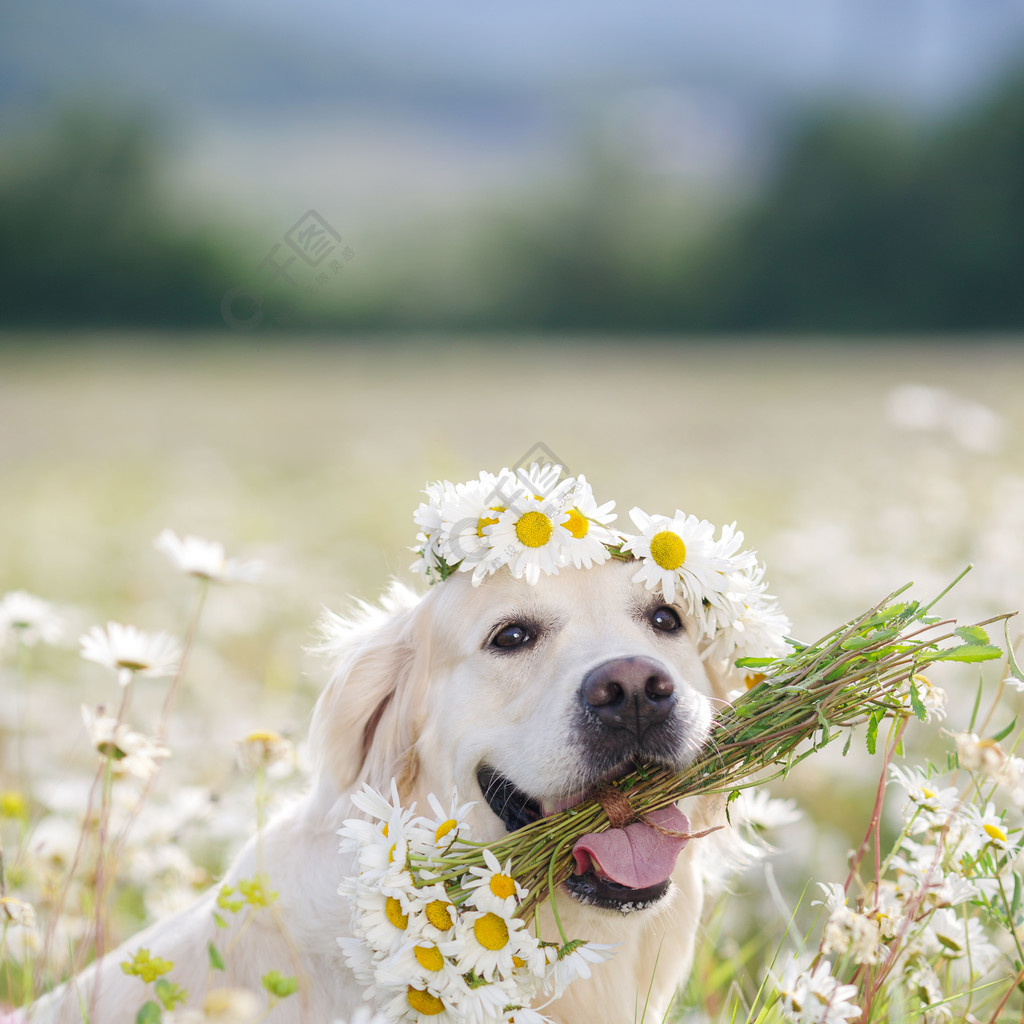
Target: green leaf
915 702
219 921
754 662
169 994
1003 733
1011 661
965 652
279 985
846 745
977 705
972 634
872 734
216 960
149 1013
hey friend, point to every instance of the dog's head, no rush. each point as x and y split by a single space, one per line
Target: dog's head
526 697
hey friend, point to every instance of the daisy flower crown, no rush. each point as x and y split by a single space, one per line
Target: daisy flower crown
536 521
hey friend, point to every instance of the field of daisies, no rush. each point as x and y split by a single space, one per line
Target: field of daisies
174 524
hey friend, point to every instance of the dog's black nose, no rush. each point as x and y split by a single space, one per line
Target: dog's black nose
629 693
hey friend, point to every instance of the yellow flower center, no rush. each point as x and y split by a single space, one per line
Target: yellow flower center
488 520
393 912
668 549
439 915
578 523
424 1002
534 529
995 832
491 931
384 830
502 886
12 805
429 957
928 794
444 828
518 961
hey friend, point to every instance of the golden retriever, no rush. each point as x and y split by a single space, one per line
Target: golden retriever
523 697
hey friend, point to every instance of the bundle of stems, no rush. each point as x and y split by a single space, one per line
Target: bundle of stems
866 670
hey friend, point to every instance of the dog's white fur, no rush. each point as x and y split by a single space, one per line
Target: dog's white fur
418 693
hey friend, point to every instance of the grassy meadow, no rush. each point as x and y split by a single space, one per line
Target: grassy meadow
851 469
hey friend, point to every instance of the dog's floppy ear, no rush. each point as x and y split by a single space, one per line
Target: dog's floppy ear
363 722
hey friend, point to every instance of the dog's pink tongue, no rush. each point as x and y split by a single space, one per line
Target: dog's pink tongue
639 855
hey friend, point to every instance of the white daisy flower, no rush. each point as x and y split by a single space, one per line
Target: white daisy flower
832 997
991 826
421 963
468 510
929 804
859 935
815 997
976 754
758 809
677 554
575 961
931 697
485 1003
524 1015
531 538
415 1005
30 619
428 517
205 559
381 844
381 918
962 939
128 752
130 651
588 527
16 913
446 825
263 748
435 914
493 887
745 621
361 961
486 943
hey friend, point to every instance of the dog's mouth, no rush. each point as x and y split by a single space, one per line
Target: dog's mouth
624 869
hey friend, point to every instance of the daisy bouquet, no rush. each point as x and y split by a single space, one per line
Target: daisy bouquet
435 940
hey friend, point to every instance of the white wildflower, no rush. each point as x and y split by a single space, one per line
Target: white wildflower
29 619
127 751
205 559
130 651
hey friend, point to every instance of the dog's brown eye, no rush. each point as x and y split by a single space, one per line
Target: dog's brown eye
665 619
512 636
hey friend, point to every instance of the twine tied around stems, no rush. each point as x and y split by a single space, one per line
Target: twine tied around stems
616 806
620 813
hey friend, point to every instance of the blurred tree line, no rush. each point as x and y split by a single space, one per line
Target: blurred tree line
866 223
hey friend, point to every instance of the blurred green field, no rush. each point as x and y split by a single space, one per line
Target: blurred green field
851 469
